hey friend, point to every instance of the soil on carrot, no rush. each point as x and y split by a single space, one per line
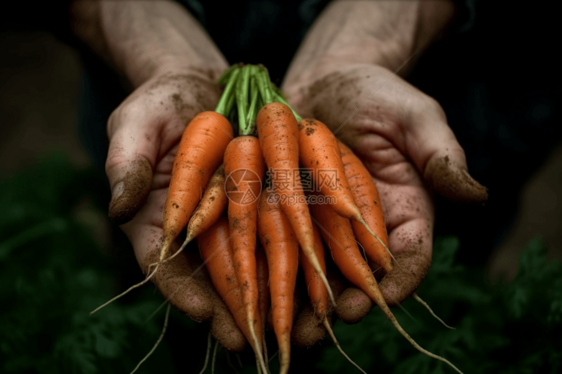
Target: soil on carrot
454 184
136 186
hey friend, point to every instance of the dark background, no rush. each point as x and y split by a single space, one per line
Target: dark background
499 84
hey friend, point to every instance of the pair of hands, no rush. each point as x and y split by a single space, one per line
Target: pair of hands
399 133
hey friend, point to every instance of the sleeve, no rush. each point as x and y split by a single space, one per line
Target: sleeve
466 15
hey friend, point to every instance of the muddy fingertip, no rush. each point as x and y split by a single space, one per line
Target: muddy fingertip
308 329
353 305
129 194
454 183
405 278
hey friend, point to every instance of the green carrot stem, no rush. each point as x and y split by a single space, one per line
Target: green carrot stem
227 73
221 106
264 85
242 92
280 98
229 106
253 111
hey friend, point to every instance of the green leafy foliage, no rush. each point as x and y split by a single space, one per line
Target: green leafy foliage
53 273
511 328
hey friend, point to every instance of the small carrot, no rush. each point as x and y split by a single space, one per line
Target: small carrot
244 167
282 251
338 234
208 211
262 272
216 252
319 150
318 293
368 201
278 133
199 154
316 289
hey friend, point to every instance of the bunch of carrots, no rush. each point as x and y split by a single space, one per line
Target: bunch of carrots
237 212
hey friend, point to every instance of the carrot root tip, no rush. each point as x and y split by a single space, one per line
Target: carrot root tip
125 292
157 341
362 221
337 344
208 354
426 305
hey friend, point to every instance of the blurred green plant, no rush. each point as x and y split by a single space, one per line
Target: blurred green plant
54 271
510 328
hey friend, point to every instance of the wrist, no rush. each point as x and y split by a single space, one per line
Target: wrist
142 40
377 33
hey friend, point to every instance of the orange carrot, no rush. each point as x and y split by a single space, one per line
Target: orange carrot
368 201
208 211
319 150
199 154
263 288
282 251
338 234
278 133
318 293
316 289
244 168
216 252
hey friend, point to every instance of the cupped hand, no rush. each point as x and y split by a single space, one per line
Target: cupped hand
403 139
144 133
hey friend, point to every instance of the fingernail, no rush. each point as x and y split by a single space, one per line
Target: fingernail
117 190
453 182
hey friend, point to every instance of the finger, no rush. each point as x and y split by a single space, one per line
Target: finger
174 278
409 218
434 149
405 278
308 329
223 326
131 157
353 305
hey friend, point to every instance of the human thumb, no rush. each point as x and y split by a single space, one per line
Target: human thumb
129 170
438 155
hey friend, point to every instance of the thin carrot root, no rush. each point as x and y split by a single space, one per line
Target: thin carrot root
208 354
285 354
157 342
125 292
188 240
316 265
331 332
362 221
419 300
214 357
274 355
256 342
258 366
264 352
163 251
390 316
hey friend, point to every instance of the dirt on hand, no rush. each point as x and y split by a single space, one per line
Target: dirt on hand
453 182
133 192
